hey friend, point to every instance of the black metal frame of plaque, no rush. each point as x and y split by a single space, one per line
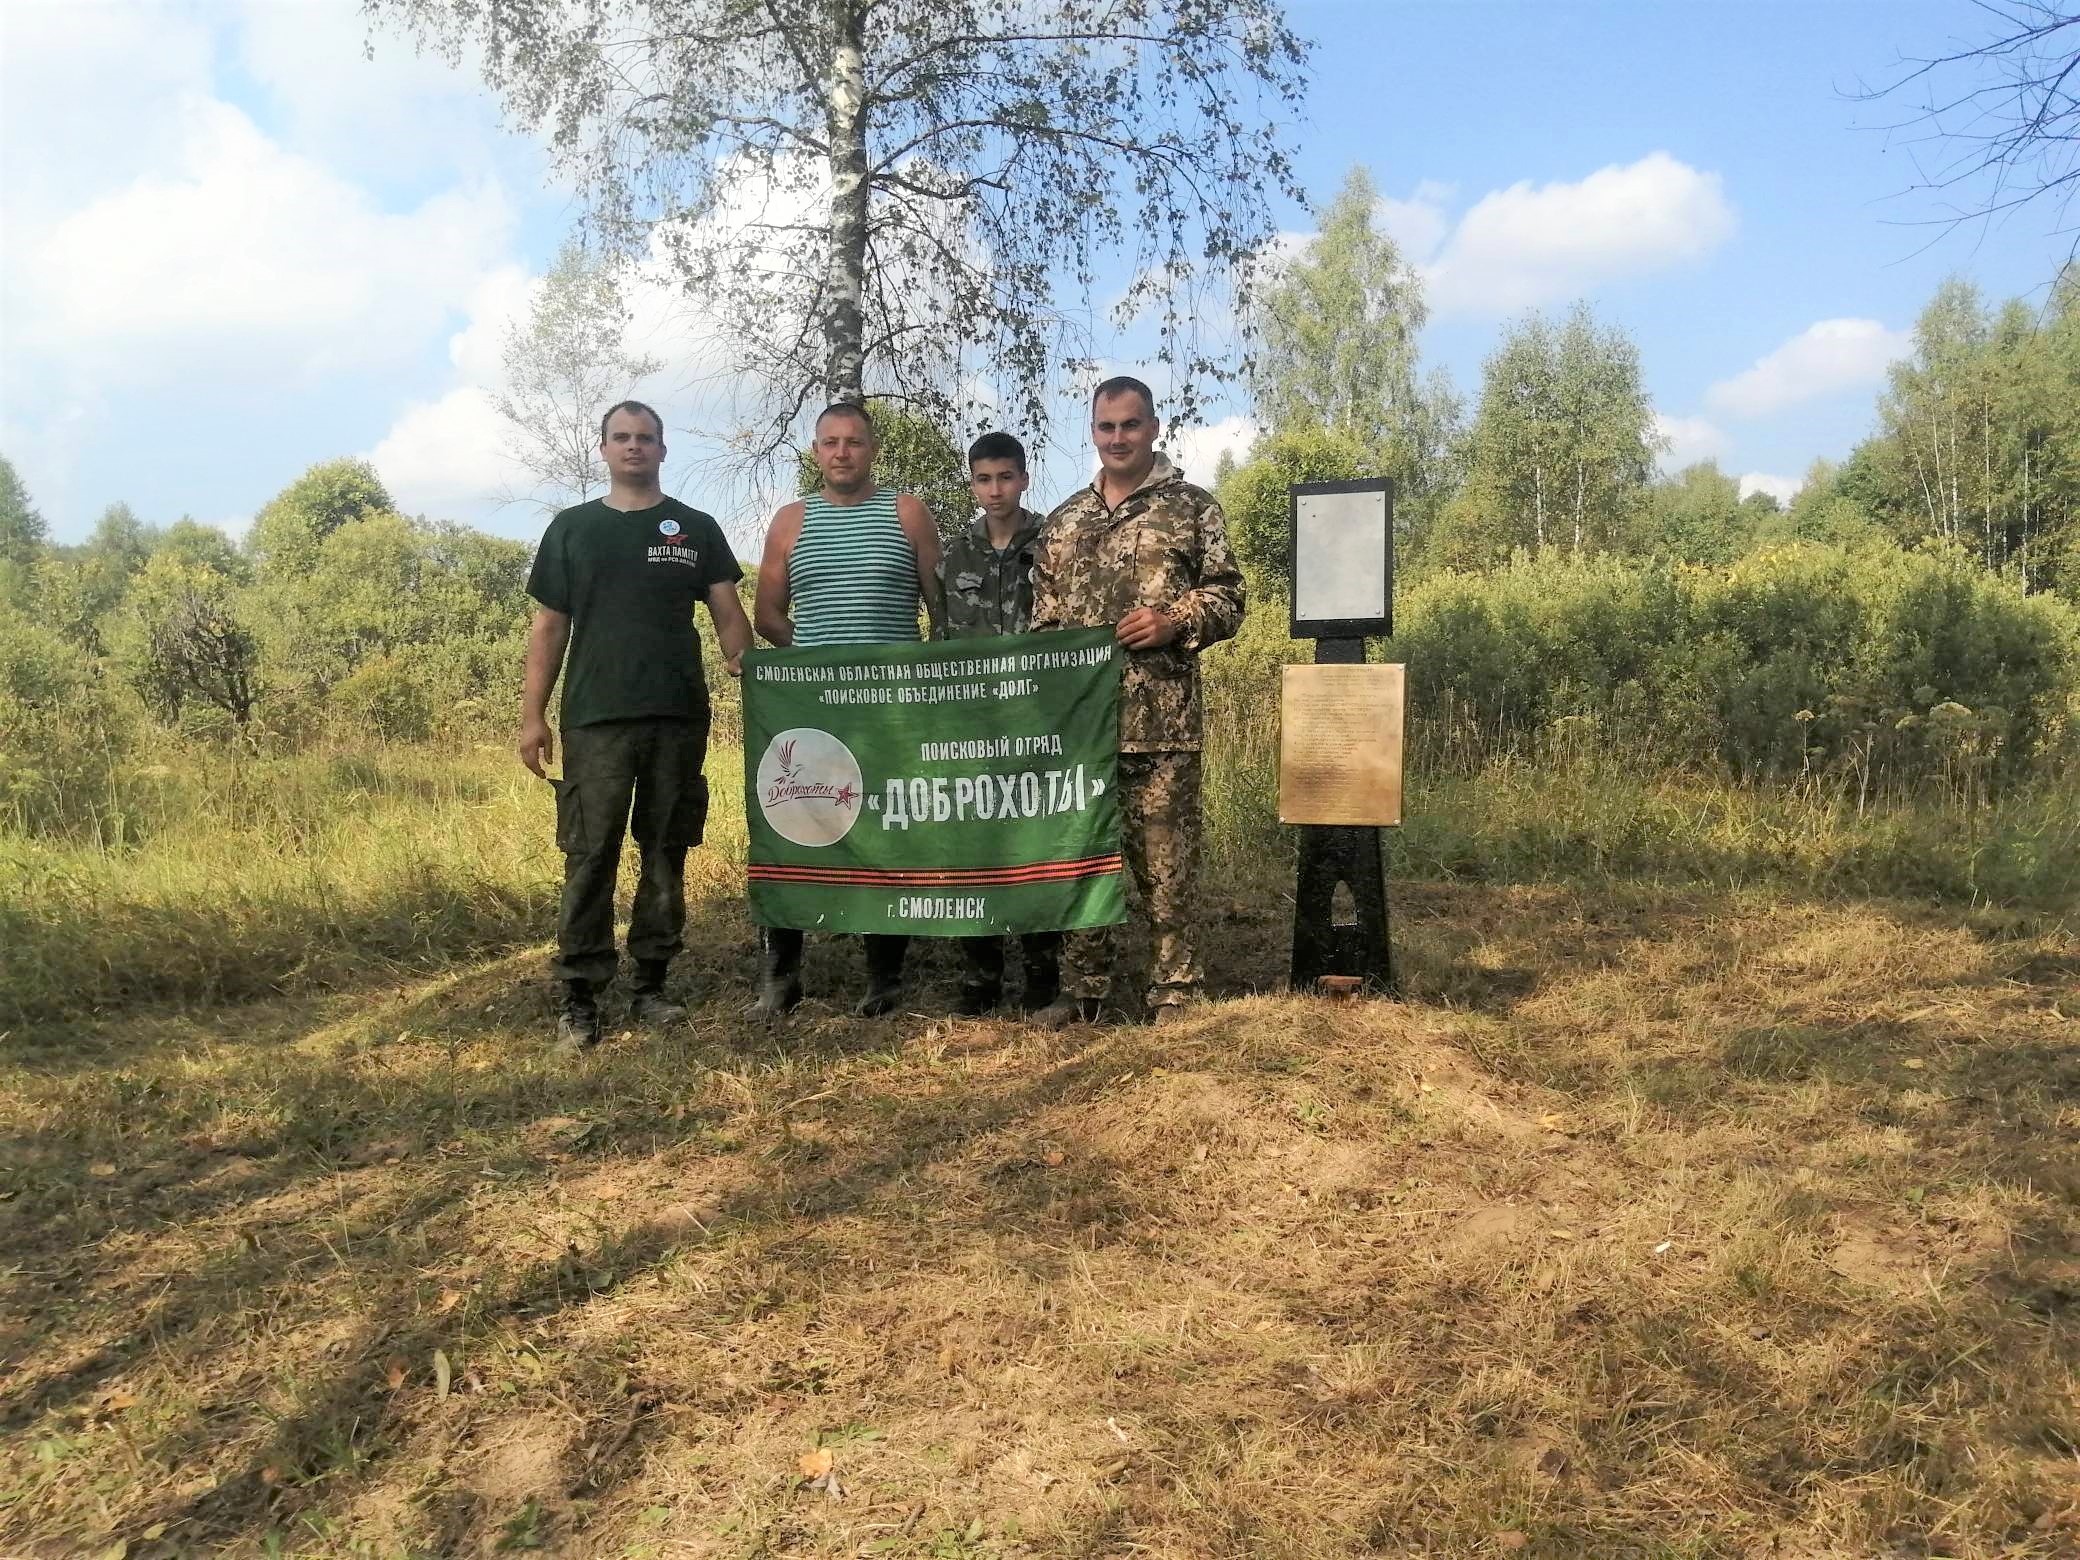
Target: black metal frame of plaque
1347 854
1340 628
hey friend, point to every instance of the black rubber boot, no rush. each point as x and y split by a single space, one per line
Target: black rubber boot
649 1004
974 1001
1043 960
782 991
577 1025
884 976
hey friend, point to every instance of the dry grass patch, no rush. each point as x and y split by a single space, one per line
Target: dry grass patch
1652 1223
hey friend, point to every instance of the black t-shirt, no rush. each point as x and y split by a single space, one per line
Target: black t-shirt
630 580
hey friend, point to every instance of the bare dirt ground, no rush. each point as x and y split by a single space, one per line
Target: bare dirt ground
1652 1222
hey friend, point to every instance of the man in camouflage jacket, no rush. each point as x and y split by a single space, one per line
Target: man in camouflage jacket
1145 552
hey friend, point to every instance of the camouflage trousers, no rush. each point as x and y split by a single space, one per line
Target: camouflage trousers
641 777
1159 836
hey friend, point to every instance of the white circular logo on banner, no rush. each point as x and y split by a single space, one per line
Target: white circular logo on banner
809 787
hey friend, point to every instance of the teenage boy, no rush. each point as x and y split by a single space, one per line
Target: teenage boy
618 580
986 574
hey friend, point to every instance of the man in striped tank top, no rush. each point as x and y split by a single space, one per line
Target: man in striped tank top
848 565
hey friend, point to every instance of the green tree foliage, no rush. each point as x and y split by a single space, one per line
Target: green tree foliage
23 538
1338 352
23 534
563 368
1696 516
905 181
63 728
1979 439
1562 444
916 457
287 533
77 589
205 546
1822 511
1255 498
182 642
400 627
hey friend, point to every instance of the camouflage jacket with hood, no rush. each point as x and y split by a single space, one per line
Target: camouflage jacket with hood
1165 546
989 592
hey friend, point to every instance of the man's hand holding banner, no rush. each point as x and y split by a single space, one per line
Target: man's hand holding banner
944 790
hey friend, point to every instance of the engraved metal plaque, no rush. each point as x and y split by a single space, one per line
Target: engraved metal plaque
1339 755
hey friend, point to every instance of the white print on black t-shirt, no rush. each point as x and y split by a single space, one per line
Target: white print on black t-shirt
690 556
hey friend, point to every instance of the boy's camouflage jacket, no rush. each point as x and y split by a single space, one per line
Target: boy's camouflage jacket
988 592
1165 546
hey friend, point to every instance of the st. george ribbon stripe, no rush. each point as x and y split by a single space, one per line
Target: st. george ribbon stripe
810 875
978 877
1111 859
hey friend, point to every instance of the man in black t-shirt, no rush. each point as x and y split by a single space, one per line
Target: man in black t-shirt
618 580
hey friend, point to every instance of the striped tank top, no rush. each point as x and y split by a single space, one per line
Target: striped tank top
852 577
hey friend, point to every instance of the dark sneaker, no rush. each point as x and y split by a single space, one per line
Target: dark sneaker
977 1000
1064 1011
883 996
577 1029
654 1007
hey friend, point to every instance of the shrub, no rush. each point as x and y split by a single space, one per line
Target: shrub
65 733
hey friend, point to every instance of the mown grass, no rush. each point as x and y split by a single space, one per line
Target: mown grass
1710 1193
1653 1222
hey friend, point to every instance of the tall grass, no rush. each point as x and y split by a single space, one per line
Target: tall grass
1816 720
255 875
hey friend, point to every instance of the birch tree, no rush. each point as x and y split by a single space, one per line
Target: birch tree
914 199
564 366
1338 352
1562 444
1979 430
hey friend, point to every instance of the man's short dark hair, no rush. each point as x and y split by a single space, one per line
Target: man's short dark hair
640 409
1122 384
997 446
849 409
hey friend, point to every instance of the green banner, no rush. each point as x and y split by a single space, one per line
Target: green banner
940 790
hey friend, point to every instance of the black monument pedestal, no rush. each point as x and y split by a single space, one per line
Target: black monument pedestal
1350 856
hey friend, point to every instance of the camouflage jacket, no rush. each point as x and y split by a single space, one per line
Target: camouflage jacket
989 592
1165 546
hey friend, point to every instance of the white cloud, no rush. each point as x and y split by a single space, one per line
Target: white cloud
453 452
1532 244
1419 223
364 100
1823 359
1196 451
1690 440
249 258
85 91
1782 489
447 454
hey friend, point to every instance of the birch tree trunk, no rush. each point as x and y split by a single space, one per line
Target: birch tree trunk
844 328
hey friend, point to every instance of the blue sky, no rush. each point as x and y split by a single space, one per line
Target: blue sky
248 248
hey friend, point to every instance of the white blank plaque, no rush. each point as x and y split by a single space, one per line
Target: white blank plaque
1340 556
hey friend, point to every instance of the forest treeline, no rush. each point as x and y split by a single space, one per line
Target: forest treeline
1908 618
